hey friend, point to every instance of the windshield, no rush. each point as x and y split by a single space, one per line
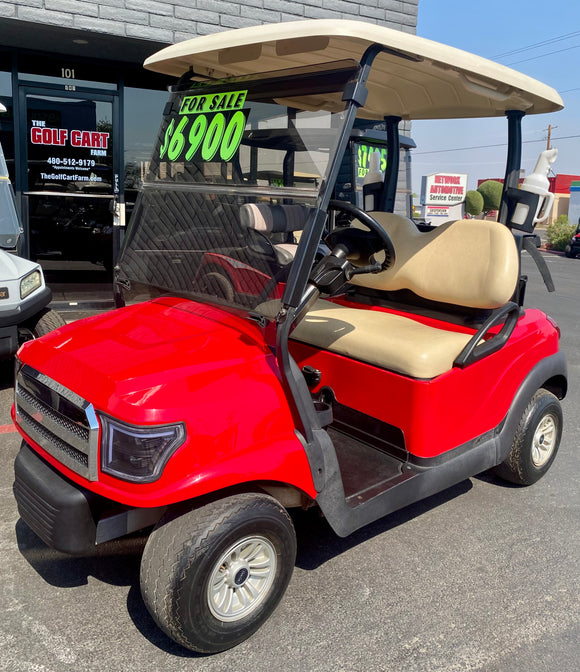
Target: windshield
234 178
9 223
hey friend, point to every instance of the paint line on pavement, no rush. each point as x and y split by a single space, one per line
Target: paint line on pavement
7 429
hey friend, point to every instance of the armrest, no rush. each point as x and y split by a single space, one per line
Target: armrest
475 350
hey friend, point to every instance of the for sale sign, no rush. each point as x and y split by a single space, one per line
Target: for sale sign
208 127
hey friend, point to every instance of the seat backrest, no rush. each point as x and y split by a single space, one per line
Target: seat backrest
273 218
472 263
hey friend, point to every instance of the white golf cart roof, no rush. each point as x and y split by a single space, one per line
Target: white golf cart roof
415 79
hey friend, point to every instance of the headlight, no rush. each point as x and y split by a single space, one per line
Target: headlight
137 454
29 283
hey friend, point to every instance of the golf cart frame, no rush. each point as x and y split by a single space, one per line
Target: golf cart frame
231 414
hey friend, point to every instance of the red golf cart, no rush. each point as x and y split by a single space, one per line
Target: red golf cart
400 363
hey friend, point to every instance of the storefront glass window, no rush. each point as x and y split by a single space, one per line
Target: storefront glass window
70 74
5 84
7 118
143 114
68 81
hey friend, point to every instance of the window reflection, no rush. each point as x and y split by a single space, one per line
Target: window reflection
143 111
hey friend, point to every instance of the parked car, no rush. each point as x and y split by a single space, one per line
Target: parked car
573 248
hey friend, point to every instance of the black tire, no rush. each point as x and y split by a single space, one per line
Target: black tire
44 322
568 252
536 441
217 284
186 551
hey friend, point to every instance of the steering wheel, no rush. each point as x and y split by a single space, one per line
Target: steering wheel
366 243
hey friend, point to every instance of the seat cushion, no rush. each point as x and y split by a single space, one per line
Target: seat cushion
274 218
385 340
468 263
285 252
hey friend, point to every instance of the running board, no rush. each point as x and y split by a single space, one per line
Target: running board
404 485
346 513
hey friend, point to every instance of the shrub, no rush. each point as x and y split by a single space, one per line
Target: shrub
559 233
473 203
491 192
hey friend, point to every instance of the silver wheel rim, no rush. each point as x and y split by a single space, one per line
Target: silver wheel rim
242 579
544 440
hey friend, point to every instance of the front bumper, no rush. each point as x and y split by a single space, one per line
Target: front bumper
8 341
66 516
27 308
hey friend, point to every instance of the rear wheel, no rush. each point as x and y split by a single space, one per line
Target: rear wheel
536 441
211 576
217 284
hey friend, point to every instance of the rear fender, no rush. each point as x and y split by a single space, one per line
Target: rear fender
550 373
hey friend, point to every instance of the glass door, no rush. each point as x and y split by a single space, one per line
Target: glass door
70 186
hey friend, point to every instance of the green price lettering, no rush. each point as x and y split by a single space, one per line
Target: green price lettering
364 153
165 145
213 137
209 126
177 141
196 133
232 136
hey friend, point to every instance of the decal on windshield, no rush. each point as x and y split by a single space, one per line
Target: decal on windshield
207 126
363 156
218 102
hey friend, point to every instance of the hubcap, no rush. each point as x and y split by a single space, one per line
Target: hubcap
544 440
242 579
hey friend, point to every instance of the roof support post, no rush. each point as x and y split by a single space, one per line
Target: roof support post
389 190
514 159
354 95
298 394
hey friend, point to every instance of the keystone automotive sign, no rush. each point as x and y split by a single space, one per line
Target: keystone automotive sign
443 189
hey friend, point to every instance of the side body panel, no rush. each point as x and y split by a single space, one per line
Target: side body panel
438 415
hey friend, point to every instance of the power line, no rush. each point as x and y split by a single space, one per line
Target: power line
501 144
559 38
533 58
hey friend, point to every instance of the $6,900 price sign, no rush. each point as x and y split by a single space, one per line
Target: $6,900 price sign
207 125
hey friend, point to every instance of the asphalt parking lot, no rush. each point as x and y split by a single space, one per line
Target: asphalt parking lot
483 576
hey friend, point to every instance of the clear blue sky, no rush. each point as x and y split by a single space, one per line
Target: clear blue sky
491 28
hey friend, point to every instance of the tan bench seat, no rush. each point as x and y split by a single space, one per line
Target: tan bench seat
461 263
385 340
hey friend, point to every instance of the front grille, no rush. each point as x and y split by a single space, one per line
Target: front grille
60 421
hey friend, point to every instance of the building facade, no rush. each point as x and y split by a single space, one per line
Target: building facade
82 114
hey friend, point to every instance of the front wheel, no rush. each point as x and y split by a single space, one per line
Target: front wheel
536 441
211 577
41 324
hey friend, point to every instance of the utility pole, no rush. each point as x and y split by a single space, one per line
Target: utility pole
549 129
